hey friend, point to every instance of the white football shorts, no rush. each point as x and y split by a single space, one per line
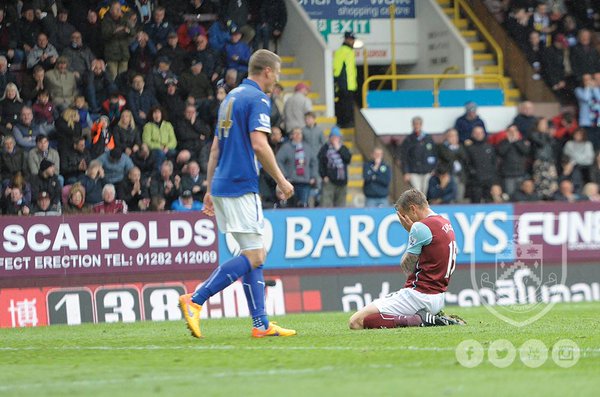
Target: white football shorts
242 217
407 301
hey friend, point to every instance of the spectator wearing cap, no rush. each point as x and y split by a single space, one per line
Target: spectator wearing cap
481 166
43 53
159 28
12 159
418 156
116 165
62 31
109 203
172 100
143 54
345 80
160 75
333 159
117 31
62 84
47 180
175 53
196 83
237 12
27 130
296 107
140 100
298 162
377 176
74 161
186 202
212 66
273 18
465 123
44 206
237 52
133 191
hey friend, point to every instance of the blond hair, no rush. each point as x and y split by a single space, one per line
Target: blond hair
131 120
70 115
411 197
261 60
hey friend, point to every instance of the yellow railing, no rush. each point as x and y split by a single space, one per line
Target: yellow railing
462 4
436 78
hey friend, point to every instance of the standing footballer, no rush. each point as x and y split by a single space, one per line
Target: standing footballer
239 145
429 259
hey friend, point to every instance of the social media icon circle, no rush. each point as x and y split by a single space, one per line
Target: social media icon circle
501 353
469 353
533 353
566 353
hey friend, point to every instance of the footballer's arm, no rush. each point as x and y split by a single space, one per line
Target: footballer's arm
264 153
408 262
213 160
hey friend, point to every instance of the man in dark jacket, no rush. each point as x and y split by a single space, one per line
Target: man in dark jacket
175 53
513 152
196 84
377 176
46 180
333 160
140 100
418 156
74 161
117 31
212 65
481 166
585 59
12 160
465 123
191 132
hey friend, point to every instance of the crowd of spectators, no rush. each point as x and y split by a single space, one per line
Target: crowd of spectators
559 39
110 106
534 159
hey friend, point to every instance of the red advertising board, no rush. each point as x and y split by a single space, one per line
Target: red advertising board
108 244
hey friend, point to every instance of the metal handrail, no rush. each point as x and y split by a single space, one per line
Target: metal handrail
436 80
458 4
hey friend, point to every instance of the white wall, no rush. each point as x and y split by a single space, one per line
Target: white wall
310 51
440 46
396 121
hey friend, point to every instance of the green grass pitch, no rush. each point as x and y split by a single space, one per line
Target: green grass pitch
154 358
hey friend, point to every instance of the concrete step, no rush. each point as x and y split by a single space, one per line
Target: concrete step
288 59
292 83
479 46
460 23
357 183
355 170
326 120
485 56
319 108
357 158
468 34
291 71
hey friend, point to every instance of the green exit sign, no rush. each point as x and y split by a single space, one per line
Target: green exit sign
339 26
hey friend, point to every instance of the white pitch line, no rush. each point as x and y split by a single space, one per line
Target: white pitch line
163 378
229 347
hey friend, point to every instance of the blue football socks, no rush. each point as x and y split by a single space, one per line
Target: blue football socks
254 288
223 277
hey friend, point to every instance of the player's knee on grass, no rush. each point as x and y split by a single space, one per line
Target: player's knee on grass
356 321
